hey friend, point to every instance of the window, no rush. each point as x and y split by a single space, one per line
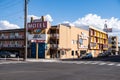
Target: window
72 41
58 51
62 52
72 53
2 35
81 41
12 34
16 34
76 52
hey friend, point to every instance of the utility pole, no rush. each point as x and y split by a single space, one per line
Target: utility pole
25 29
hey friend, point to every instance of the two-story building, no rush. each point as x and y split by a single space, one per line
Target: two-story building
12 40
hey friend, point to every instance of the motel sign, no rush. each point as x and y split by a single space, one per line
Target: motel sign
37 25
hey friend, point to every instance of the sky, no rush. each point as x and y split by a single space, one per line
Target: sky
74 12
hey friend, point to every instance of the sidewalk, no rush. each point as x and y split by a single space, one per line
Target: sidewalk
11 59
42 60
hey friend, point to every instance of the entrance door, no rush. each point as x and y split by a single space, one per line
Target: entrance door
41 50
33 50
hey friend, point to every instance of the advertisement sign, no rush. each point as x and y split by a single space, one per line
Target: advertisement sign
37 25
107 29
39 37
83 36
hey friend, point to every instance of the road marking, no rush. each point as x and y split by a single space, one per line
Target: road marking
81 62
87 62
68 62
118 65
95 63
102 63
111 64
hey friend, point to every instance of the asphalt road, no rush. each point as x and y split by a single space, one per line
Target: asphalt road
113 58
58 71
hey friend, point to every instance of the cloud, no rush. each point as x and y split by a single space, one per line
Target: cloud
47 17
90 19
98 22
67 23
4 24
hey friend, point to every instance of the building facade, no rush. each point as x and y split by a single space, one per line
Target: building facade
98 41
68 41
12 40
113 45
59 41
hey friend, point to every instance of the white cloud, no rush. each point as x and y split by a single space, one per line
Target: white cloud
67 23
36 17
47 17
90 19
4 24
98 22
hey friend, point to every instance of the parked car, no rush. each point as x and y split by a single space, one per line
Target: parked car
6 54
105 54
87 56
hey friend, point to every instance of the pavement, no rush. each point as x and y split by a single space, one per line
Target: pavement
55 69
112 58
109 59
61 70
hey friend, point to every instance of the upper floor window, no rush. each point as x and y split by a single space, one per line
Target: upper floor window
2 35
81 41
16 34
12 34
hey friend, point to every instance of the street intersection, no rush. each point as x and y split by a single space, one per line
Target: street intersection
60 70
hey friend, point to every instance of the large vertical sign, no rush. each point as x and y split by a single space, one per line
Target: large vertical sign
38 37
37 28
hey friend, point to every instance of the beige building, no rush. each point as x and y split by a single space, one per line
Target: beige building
98 41
67 42
59 41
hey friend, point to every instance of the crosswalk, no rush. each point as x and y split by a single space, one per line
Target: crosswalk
100 63
91 62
